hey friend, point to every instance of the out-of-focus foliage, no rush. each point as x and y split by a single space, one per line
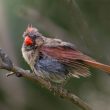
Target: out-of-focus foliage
83 22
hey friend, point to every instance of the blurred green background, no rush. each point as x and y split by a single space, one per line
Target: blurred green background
86 23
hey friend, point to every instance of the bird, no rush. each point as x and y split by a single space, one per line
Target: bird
56 60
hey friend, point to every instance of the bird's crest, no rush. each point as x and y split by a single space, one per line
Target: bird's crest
29 28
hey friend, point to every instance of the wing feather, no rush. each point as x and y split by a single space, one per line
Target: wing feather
64 54
69 57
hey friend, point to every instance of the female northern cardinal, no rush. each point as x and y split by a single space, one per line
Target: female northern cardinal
54 59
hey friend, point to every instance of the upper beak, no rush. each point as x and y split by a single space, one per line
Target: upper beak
28 41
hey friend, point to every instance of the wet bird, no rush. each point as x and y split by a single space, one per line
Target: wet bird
54 59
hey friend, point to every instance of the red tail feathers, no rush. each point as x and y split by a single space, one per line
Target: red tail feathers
98 65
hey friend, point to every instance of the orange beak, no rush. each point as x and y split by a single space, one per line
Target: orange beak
28 41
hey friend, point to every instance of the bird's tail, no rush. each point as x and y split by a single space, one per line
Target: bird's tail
95 64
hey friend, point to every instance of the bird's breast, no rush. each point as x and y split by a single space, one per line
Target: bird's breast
30 56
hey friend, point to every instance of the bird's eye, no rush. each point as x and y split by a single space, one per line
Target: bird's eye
34 36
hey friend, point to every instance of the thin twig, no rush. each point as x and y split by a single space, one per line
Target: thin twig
63 93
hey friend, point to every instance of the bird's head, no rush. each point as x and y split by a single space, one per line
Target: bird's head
32 38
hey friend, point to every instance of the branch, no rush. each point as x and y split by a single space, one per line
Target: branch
6 63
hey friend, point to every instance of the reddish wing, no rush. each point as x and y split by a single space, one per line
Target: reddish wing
70 56
64 54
